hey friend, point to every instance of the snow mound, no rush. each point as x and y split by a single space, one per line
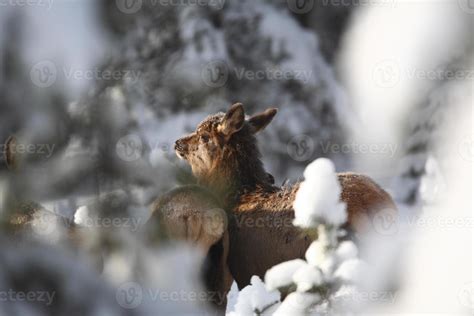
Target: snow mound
432 183
350 271
281 275
346 250
297 304
318 198
82 215
255 299
307 278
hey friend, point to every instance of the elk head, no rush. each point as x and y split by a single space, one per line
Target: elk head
223 148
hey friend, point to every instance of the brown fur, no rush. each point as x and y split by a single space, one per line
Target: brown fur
193 215
224 158
257 245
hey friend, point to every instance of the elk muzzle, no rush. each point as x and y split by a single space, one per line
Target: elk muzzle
181 148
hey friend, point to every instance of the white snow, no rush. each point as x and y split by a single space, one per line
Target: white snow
281 275
297 304
3 193
82 215
346 297
212 43
318 257
316 253
232 298
47 226
350 270
318 198
307 277
432 183
277 25
255 297
346 250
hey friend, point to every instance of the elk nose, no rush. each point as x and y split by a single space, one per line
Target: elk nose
178 145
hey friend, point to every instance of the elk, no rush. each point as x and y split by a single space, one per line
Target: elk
193 215
225 159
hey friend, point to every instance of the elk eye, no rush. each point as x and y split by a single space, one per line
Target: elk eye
205 138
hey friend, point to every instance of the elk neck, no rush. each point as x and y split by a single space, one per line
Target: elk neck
239 171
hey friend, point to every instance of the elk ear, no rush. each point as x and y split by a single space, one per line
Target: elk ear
261 120
233 120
